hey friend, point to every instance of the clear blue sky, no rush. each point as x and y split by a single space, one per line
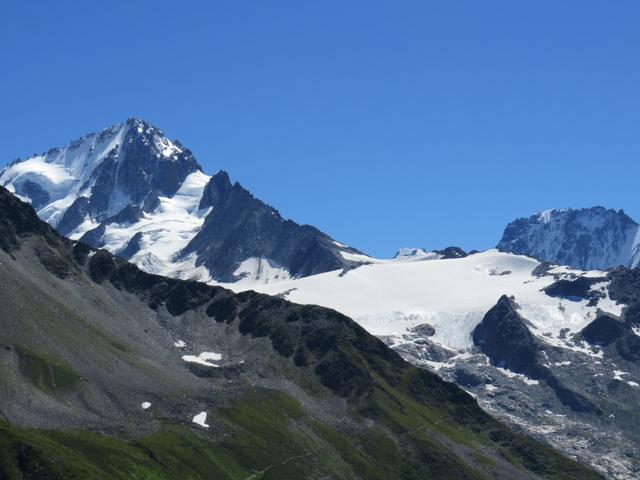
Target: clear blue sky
386 124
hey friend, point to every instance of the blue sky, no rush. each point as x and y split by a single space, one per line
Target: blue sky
386 124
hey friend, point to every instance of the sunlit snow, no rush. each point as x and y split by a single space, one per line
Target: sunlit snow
260 270
205 358
201 419
388 298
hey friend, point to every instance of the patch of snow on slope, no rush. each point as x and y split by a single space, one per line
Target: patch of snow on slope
524 378
205 358
257 270
617 374
359 257
201 419
166 146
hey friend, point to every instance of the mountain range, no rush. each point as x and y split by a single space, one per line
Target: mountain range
131 190
542 332
109 372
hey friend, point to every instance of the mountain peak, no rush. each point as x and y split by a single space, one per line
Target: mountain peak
586 238
99 174
217 190
135 121
141 126
546 215
550 214
131 190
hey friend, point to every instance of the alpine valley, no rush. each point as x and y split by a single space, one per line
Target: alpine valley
122 352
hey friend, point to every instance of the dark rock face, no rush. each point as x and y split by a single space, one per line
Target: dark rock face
424 329
145 167
468 378
104 180
590 238
241 226
74 215
604 330
504 337
38 196
576 289
132 247
151 202
94 237
628 347
217 191
129 214
625 288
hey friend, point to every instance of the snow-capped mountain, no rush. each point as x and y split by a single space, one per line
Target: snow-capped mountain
546 348
552 350
588 238
131 190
